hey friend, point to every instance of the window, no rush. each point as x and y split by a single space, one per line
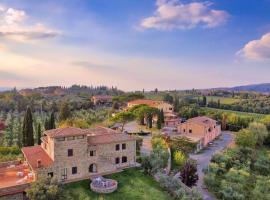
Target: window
209 130
124 159
93 168
117 160
70 152
190 130
60 139
80 137
74 170
93 153
117 147
184 130
71 138
124 146
50 174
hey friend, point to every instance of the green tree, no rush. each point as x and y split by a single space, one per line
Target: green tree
52 121
64 112
159 123
39 134
245 138
123 118
45 189
115 105
262 189
260 132
189 174
204 102
176 105
28 136
162 118
168 98
179 158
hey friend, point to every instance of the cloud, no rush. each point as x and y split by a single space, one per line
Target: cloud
257 49
14 25
172 14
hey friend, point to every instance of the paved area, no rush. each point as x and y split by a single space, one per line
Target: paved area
203 160
146 145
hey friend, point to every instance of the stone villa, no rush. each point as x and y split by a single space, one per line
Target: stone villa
70 154
201 130
161 105
102 100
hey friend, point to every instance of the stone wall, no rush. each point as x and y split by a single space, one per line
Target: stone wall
104 159
18 196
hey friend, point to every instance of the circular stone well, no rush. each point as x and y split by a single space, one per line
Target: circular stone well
103 185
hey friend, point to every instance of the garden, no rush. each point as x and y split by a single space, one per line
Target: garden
242 172
132 185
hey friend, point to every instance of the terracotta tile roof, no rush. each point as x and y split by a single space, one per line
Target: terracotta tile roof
35 153
99 130
65 132
203 120
102 135
148 102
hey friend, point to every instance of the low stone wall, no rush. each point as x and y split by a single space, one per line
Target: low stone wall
13 190
104 190
18 196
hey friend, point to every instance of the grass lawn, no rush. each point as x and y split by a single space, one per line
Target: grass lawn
132 185
223 100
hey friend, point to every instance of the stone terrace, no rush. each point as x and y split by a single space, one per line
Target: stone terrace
10 182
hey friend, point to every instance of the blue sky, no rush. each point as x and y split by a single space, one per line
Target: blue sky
134 44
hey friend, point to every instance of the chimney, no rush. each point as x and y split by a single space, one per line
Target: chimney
38 163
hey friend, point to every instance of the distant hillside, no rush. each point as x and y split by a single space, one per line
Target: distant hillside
73 90
264 88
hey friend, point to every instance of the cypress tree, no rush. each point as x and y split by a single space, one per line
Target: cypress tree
28 136
162 116
64 112
176 104
39 134
159 120
204 103
52 121
46 124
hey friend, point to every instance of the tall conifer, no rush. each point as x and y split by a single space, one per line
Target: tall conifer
28 136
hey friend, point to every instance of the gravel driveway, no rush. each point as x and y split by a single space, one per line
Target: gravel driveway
203 160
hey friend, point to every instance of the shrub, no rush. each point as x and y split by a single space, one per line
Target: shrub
262 166
179 158
9 150
245 138
189 174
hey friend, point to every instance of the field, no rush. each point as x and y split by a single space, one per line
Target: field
132 185
254 115
223 100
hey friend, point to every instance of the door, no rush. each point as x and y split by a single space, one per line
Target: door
64 174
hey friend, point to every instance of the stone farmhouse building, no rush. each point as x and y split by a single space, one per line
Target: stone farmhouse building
161 105
201 130
70 154
102 100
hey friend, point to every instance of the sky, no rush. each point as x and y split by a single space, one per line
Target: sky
134 44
